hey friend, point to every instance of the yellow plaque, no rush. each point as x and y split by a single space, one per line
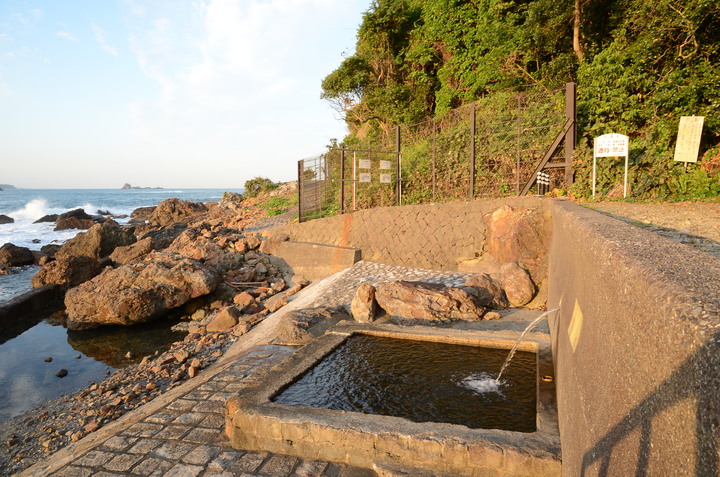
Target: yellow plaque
688 138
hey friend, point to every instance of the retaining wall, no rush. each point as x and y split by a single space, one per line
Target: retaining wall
637 348
436 236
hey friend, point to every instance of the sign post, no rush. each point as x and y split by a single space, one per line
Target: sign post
611 145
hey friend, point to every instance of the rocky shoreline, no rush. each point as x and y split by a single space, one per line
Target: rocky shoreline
246 285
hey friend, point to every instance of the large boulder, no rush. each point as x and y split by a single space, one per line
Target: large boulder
364 307
139 292
74 219
141 214
428 301
67 272
98 242
517 284
519 236
4 219
14 256
47 218
170 211
217 250
488 291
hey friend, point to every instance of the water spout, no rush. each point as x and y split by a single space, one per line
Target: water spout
529 327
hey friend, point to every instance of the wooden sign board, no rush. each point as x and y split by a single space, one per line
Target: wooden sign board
688 138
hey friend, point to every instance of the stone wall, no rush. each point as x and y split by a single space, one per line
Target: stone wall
636 348
448 236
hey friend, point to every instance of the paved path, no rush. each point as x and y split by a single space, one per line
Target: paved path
182 434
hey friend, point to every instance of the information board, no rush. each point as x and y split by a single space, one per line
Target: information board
688 138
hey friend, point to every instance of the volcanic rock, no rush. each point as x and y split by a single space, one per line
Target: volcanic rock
139 292
14 256
170 211
67 272
428 301
98 242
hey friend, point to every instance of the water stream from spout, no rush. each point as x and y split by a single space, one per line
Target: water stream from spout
529 327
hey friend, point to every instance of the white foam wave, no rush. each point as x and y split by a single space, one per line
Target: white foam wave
481 383
32 211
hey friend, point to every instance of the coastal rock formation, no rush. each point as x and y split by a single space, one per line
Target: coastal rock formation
170 211
14 256
47 218
67 272
4 219
139 292
74 219
141 214
428 301
98 242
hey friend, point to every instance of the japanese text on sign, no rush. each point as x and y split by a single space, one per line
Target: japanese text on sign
364 163
688 138
364 177
385 165
385 178
611 145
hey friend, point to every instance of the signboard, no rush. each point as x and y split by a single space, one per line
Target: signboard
364 176
385 179
688 138
364 163
385 165
611 145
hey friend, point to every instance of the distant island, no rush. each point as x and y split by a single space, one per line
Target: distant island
128 186
6 187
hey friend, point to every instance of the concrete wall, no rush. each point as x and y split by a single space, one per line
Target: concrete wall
636 346
436 236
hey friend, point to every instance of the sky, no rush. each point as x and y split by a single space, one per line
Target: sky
167 93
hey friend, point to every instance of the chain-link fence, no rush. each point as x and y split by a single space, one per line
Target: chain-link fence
491 148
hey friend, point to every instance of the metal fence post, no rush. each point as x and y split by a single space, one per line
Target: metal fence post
571 135
301 168
472 152
342 180
398 168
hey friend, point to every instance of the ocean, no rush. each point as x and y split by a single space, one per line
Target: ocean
26 378
28 205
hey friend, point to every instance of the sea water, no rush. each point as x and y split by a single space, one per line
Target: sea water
26 379
26 206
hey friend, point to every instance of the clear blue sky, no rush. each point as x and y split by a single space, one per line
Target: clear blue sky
167 93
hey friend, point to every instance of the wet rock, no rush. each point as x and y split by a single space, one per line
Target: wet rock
48 359
14 256
4 219
67 272
364 307
98 242
47 218
428 301
139 292
50 249
62 373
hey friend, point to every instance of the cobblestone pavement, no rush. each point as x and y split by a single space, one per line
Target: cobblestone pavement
185 436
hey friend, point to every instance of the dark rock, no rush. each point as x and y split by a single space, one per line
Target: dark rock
4 219
139 292
67 272
47 218
62 373
50 249
141 214
14 256
428 301
364 308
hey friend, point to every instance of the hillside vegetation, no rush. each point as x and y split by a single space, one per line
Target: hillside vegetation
639 67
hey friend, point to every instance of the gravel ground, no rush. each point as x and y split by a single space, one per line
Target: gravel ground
696 224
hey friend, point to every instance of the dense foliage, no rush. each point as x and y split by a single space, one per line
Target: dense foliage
259 184
639 66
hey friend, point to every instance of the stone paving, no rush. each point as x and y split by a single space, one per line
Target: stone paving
185 436
182 432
